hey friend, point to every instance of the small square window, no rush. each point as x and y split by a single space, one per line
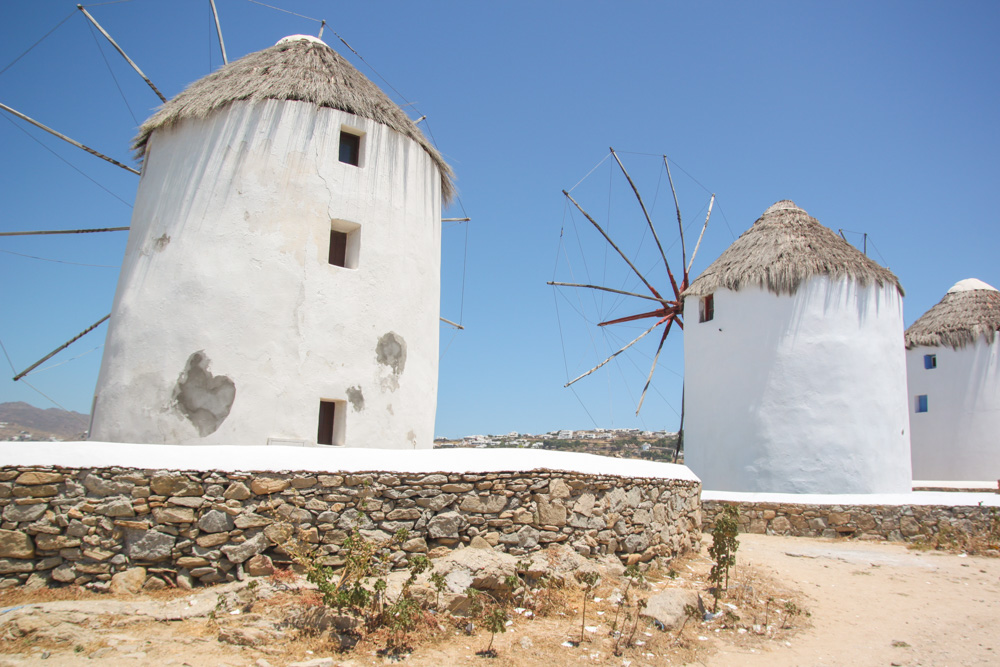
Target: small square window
930 361
345 244
350 148
331 423
922 403
706 308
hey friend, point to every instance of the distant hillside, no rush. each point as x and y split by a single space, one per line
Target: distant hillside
40 424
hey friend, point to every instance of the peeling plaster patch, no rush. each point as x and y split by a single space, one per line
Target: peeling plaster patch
356 398
161 243
391 353
203 398
388 409
412 437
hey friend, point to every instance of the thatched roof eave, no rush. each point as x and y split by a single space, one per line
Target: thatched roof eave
784 248
958 320
304 70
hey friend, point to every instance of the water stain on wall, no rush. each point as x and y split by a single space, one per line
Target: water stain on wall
356 398
203 398
390 352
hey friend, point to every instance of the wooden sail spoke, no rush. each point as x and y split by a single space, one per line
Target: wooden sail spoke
677 206
698 244
652 368
634 341
48 129
649 222
615 246
662 312
608 289
61 347
125 55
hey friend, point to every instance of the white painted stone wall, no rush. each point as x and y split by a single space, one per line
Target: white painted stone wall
798 394
228 256
958 438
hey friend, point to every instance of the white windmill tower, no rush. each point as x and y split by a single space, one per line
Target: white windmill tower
281 280
953 376
795 379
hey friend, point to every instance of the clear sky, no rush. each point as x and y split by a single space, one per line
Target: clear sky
878 118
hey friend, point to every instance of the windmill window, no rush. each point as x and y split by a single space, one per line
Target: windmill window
922 403
930 361
350 147
706 308
345 244
331 423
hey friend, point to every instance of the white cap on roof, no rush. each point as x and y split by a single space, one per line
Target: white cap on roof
300 38
970 284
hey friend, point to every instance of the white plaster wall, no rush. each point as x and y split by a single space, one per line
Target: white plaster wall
958 438
227 254
798 394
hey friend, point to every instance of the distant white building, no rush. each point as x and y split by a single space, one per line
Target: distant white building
953 376
795 379
564 435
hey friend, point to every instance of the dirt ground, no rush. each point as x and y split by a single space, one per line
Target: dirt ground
867 604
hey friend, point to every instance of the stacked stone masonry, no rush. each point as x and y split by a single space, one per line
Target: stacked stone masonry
82 526
897 523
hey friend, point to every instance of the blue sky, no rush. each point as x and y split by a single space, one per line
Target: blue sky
874 117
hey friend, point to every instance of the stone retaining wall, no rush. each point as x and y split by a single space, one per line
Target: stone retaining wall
82 526
874 522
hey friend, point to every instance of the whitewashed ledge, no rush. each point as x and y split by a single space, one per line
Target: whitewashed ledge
920 498
89 454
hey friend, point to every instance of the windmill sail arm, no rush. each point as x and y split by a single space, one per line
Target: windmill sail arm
634 341
608 289
700 236
613 245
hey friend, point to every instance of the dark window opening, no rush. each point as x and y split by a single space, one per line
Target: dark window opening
930 361
338 248
350 148
922 403
706 310
327 416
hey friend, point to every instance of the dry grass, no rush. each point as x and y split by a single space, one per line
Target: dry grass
546 631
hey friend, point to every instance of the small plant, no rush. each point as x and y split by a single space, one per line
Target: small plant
723 550
476 603
636 577
495 621
639 606
589 581
690 612
439 583
792 610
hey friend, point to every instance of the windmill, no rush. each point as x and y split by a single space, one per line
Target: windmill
108 47
666 307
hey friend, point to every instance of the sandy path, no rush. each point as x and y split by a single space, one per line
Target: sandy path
939 609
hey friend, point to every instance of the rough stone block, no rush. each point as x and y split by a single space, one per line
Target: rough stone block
33 478
15 544
263 486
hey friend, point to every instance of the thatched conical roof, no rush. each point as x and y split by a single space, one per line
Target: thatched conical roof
970 309
785 247
296 68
